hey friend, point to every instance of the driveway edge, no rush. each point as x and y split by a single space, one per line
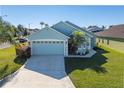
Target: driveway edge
69 81
11 76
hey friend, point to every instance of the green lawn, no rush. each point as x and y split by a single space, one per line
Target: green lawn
8 62
103 70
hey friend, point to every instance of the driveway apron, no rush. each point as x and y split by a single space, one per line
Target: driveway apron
42 72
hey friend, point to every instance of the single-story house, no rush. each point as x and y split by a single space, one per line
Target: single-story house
54 40
95 29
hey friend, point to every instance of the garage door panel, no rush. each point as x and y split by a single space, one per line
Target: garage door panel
47 48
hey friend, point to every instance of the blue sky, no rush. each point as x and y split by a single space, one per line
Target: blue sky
80 15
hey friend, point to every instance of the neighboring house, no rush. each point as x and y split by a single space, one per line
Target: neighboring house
114 31
94 29
31 31
54 40
113 37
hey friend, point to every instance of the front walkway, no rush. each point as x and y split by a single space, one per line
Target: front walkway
42 72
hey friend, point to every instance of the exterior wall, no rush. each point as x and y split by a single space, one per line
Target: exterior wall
93 42
90 44
47 33
116 45
66 47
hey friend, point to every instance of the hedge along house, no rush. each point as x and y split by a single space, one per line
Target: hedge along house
54 40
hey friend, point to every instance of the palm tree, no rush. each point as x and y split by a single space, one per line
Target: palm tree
76 39
79 37
42 23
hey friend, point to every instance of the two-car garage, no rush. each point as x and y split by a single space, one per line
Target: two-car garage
48 47
48 41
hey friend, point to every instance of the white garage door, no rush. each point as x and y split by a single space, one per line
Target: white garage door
47 47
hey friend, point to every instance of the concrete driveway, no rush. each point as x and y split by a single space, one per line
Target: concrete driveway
42 71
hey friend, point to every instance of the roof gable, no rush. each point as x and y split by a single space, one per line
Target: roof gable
47 33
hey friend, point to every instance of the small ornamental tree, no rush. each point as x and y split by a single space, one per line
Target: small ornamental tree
76 39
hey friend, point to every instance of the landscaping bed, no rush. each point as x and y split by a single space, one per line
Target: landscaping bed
104 70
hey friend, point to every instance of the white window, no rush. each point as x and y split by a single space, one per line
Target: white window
57 42
38 41
54 42
33 41
41 42
45 42
61 41
50 42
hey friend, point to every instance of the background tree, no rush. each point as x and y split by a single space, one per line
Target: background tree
26 32
6 31
21 30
